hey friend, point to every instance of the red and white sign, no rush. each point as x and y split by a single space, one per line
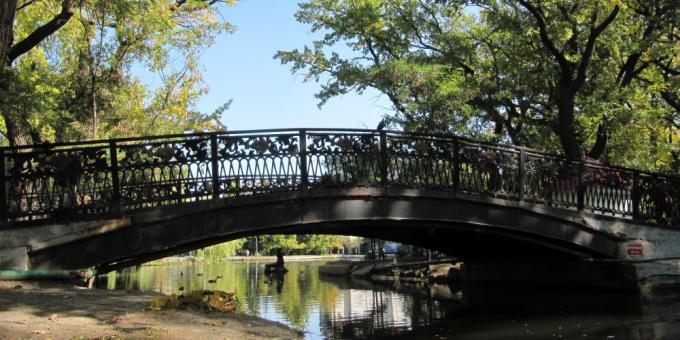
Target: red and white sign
634 249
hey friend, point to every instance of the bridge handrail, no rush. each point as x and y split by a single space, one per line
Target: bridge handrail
448 136
37 180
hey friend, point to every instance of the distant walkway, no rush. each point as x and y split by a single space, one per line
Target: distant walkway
298 258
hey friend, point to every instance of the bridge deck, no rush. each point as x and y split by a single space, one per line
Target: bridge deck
97 177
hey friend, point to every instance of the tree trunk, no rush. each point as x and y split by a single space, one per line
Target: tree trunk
8 10
19 130
566 126
93 91
601 139
7 14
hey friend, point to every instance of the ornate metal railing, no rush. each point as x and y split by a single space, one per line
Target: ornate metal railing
89 178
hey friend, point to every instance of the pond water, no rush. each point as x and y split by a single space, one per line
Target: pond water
332 308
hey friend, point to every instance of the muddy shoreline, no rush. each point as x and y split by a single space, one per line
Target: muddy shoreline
54 310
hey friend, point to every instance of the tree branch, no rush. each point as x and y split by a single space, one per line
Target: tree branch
587 54
600 142
545 39
671 99
26 4
42 32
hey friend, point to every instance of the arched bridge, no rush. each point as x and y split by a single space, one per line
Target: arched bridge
125 200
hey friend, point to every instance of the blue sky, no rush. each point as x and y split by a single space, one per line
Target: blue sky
240 66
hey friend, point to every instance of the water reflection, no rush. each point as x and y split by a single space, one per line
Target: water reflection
322 307
328 307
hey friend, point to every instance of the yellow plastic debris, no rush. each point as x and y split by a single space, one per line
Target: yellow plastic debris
161 302
222 301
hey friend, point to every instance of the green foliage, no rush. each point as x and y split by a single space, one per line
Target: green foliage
80 83
600 76
220 251
322 244
299 244
288 243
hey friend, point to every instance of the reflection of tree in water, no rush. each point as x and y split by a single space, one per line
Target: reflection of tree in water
385 313
350 326
345 311
252 280
422 308
127 278
299 290
328 295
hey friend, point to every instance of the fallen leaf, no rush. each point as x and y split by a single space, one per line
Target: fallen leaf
112 320
40 331
53 317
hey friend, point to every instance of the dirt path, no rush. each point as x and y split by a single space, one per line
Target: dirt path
59 311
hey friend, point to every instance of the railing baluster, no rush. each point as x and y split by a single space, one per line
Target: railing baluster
304 175
520 174
115 181
4 208
383 158
455 164
635 196
580 186
214 167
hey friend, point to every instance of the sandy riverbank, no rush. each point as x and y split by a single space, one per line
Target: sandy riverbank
42 310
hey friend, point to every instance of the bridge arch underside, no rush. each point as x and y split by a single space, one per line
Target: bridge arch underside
467 228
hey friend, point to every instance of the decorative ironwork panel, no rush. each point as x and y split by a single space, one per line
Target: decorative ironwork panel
489 170
258 164
419 162
44 182
343 160
164 172
607 190
550 180
659 199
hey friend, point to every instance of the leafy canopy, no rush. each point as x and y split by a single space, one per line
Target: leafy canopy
576 77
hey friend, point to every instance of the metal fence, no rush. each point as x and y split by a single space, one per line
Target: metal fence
90 178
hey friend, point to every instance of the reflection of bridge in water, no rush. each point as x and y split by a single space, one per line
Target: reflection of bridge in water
126 201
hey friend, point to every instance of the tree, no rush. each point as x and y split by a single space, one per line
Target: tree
321 244
19 130
270 243
221 251
558 75
78 82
